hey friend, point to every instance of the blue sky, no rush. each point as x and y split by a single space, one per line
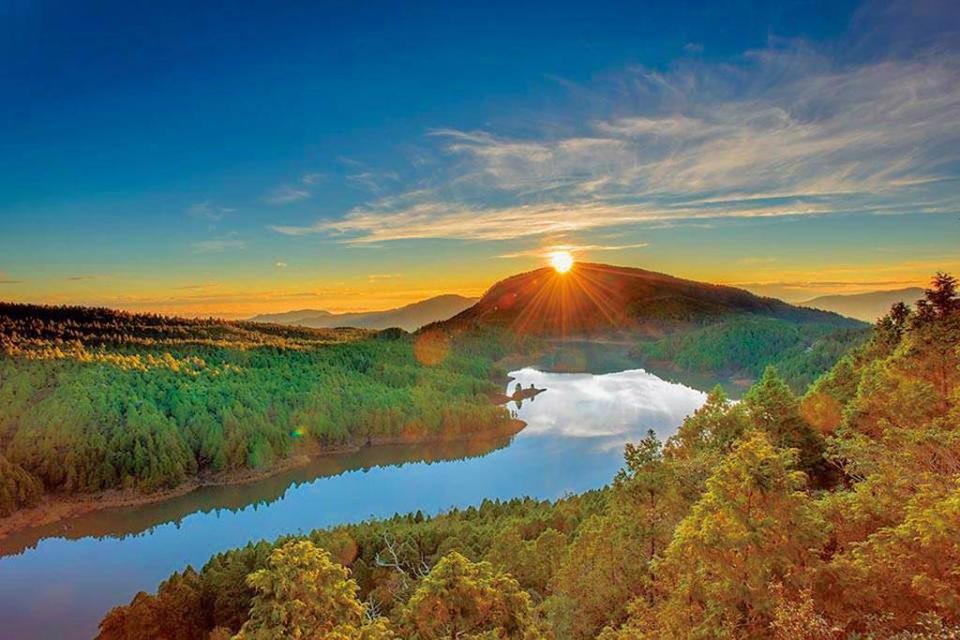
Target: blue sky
213 158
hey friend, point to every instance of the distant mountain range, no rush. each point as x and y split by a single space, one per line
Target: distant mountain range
595 300
410 317
865 306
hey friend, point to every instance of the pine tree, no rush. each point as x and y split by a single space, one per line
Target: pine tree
301 593
753 527
463 599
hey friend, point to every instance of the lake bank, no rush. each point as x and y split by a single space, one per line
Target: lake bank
54 509
60 582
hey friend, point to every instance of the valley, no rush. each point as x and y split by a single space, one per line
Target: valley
572 442
153 407
590 388
846 496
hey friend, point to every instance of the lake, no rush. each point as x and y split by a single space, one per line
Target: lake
59 581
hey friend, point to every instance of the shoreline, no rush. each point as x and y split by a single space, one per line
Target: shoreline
54 508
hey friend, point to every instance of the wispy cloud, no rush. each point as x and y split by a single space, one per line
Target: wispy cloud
366 225
783 131
545 251
858 136
220 244
378 277
280 265
372 181
209 211
349 162
756 260
287 194
290 193
804 283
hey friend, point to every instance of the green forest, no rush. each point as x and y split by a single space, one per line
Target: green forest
97 399
830 514
742 347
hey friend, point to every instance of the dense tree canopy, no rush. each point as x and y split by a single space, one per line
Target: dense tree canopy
743 346
389 560
464 599
97 400
754 526
301 594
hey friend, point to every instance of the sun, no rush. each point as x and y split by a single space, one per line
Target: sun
561 261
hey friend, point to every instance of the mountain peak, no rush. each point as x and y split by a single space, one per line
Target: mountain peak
594 300
409 317
865 306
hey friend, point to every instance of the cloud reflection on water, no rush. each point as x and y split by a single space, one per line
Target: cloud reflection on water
613 409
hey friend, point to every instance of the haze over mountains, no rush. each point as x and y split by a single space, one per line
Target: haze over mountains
865 306
410 317
594 300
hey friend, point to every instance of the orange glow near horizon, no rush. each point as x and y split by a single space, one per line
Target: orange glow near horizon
246 293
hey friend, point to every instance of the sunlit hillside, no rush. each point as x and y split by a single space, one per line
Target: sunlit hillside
847 499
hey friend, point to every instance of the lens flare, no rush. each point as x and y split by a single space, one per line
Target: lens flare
431 348
561 261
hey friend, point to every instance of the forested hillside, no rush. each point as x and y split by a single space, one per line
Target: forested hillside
696 332
598 300
831 515
95 399
743 346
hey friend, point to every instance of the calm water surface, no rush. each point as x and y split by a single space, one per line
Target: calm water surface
58 581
